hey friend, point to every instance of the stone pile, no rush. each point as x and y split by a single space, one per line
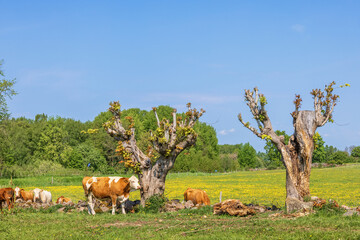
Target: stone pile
233 207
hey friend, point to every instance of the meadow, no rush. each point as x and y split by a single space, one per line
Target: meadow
263 187
259 187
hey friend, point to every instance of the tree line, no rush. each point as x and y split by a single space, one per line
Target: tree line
44 144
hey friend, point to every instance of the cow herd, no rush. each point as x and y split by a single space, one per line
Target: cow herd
116 189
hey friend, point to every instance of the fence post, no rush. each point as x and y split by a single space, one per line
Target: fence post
220 195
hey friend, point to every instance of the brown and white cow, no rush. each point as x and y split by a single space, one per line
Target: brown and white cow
6 195
62 200
114 188
197 196
24 195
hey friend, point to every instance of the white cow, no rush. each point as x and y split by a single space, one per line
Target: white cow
42 195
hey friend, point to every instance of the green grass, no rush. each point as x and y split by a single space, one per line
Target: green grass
341 184
189 224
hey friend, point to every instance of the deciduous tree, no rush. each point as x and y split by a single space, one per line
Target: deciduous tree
170 138
297 152
6 91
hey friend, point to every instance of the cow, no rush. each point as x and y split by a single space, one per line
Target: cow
114 188
42 196
24 195
7 195
62 200
197 196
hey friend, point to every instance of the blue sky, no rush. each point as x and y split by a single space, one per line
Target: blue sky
71 58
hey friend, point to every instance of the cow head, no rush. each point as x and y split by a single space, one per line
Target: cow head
17 192
37 192
134 183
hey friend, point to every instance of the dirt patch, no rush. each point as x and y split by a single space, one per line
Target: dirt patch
121 224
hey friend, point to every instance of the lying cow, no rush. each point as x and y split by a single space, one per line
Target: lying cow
114 188
42 196
7 195
197 196
24 195
62 200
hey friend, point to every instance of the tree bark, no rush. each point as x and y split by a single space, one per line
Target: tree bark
297 155
153 178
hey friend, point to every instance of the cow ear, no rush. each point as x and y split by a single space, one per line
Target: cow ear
22 189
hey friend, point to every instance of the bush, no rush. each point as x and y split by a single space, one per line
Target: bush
154 204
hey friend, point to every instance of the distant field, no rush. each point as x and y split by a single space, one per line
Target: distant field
263 187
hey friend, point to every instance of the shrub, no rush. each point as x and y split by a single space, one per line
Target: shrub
154 204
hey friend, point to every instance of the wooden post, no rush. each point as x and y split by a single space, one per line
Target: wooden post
220 195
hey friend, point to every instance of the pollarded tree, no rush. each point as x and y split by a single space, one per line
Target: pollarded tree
297 152
167 142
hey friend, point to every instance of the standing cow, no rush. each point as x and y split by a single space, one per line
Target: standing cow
197 196
6 195
42 195
24 195
114 188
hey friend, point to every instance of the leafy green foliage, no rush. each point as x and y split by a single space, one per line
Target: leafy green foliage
273 156
319 154
356 152
247 156
154 204
6 91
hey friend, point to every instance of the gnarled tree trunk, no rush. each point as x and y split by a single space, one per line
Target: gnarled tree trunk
153 179
297 153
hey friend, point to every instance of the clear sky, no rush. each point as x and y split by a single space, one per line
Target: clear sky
71 58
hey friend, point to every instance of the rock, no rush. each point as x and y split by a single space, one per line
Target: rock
232 207
260 209
351 213
36 205
294 205
189 204
82 204
173 206
61 210
314 198
104 208
69 204
346 207
45 205
81 209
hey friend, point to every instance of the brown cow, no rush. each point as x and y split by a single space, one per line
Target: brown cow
113 188
24 195
197 196
7 195
62 200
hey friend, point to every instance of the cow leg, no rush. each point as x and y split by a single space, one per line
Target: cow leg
113 202
91 204
123 207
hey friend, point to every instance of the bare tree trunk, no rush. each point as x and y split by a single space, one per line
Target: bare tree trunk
297 155
153 179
